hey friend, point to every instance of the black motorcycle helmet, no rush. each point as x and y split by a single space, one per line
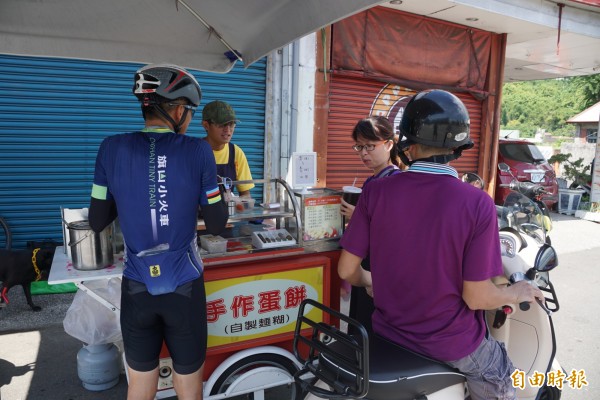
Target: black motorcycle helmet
161 83
436 118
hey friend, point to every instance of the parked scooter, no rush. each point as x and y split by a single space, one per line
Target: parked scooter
531 190
337 365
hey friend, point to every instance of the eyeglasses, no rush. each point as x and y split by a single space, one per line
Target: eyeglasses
229 125
186 106
367 147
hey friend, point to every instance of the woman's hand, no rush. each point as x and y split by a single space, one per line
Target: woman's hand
346 209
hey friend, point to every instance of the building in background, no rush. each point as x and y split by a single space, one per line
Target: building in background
586 124
303 97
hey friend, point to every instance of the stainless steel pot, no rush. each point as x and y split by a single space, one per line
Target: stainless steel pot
90 250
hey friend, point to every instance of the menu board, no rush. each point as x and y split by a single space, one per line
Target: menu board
322 218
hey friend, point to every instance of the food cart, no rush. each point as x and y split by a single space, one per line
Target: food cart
275 256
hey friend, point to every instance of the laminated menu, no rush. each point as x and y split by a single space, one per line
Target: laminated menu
322 218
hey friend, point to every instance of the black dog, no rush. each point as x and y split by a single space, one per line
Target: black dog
17 267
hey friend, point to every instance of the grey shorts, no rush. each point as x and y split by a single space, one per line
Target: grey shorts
488 371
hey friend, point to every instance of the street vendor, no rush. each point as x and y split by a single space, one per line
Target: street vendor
154 179
219 120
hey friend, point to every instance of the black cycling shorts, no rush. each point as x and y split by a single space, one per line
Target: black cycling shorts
178 318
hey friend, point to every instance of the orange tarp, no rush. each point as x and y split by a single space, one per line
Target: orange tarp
414 51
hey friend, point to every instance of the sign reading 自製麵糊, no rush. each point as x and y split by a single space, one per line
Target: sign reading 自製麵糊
257 306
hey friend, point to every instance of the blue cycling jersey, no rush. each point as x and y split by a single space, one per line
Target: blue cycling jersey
157 179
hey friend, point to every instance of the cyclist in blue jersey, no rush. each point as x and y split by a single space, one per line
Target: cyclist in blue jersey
154 180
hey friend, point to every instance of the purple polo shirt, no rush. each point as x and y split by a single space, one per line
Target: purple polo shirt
426 232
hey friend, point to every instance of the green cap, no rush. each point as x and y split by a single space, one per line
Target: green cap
218 112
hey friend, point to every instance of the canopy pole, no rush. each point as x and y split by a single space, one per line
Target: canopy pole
210 28
560 10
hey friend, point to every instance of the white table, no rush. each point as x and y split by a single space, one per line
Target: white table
63 271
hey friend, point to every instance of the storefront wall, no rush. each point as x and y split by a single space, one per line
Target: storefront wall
352 99
374 71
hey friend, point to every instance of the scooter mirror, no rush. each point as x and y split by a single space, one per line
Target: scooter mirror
473 179
503 167
546 259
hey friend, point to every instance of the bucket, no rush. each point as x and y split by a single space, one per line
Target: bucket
90 250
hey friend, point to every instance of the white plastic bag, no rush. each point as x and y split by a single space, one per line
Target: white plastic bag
92 322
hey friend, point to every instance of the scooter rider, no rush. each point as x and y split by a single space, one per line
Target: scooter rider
434 247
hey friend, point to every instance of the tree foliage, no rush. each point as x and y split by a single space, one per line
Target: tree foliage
578 173
589 88
546 105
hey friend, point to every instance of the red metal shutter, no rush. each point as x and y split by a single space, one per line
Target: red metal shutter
469 160
351 99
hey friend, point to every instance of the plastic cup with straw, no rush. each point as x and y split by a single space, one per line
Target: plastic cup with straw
351 193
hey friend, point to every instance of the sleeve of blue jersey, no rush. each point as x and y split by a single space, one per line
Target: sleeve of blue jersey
210 188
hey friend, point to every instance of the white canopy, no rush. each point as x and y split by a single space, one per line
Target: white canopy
195 34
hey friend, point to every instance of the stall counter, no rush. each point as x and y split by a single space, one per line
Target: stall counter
252 299
245 292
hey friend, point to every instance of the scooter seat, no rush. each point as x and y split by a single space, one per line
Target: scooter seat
394 372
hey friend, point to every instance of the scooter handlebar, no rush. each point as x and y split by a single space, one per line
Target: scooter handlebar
517 277
525 187
524 306
529 189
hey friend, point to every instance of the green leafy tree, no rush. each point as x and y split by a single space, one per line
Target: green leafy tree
589 89
545 105
575 172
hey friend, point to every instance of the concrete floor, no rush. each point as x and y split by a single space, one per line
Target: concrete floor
38 359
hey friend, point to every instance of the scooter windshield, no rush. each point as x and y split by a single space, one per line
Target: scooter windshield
523 215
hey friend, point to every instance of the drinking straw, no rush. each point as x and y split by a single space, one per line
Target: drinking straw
353 183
